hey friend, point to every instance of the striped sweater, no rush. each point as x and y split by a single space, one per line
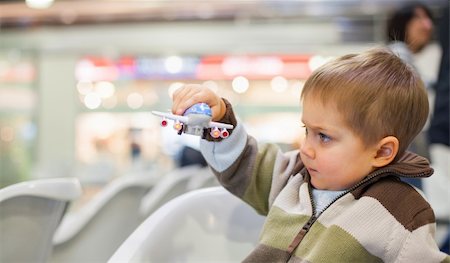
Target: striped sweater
381 219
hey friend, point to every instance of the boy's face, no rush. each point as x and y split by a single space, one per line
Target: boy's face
335 157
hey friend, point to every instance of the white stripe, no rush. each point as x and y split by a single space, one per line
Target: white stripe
282 169
370 223
289 198
419 245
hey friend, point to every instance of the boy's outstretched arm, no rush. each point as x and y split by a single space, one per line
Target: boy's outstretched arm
243 167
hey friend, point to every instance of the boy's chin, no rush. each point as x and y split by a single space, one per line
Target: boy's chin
317 185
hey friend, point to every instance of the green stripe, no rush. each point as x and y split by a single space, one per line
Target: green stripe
321 244
281 228
258 190
446 260
332 244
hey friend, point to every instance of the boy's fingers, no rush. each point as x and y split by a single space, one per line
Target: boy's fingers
191 94
187 100
218 109
178 97
190 98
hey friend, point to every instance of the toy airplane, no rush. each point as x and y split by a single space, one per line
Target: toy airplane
196 120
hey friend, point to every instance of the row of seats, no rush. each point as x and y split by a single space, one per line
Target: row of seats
131 220
34 225
206 225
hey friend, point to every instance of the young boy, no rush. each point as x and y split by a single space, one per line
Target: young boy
338 198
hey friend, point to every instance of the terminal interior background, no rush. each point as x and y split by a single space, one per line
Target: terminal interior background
79 79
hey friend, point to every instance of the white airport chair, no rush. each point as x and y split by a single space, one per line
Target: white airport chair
29 215
204 178
97 229
205 225
175 183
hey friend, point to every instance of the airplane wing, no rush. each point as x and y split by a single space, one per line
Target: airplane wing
213 124
171 116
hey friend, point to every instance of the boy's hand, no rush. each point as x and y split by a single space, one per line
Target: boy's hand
191 94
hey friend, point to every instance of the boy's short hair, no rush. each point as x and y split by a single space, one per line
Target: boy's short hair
377 94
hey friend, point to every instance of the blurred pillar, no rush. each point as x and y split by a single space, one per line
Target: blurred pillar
56 116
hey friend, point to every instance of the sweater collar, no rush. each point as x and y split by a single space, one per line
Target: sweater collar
410 165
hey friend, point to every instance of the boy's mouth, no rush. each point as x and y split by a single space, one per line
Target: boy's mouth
311 170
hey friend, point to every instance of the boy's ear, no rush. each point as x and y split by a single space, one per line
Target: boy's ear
387 149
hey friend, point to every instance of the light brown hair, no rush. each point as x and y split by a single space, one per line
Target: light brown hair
377 94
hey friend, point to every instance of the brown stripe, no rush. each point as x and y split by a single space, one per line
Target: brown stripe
263 253
401 200
237 185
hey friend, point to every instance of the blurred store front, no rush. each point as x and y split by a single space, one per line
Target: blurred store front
107 103
76 89
18 119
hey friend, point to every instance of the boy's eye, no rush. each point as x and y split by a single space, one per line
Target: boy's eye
324 137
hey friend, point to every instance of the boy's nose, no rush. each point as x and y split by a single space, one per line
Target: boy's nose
306 149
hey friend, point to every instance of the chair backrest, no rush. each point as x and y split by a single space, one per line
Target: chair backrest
205 225
29 215
173 184
97 229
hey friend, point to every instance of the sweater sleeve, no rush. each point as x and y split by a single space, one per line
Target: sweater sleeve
247 169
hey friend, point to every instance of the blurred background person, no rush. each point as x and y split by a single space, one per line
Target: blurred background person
410 29
409 32
190 156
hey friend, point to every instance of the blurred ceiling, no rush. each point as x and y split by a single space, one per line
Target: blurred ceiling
15 14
